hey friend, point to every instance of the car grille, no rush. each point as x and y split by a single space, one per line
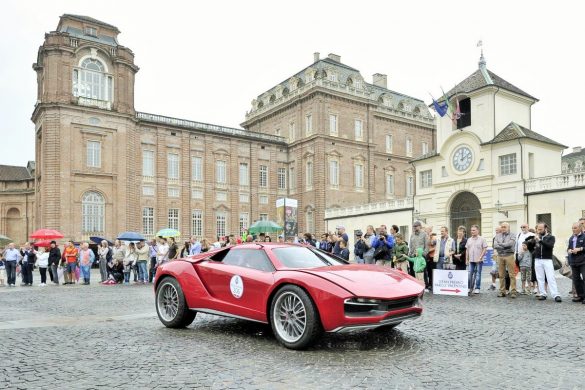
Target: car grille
355 309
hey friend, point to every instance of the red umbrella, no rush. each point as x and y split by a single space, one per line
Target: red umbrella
43 243
46 234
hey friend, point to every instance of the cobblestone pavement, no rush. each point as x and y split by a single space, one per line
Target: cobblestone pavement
92 337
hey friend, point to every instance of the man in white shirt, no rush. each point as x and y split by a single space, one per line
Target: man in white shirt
520 238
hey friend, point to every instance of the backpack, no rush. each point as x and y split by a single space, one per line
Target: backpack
381 252
360 249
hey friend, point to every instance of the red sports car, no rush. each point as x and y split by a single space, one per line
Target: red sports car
299 290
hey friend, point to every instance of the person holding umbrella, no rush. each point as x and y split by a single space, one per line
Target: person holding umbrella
27 263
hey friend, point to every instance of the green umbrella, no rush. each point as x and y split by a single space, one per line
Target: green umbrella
166 233
264 227
4 240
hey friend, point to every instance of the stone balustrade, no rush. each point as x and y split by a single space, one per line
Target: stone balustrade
389 205
557 182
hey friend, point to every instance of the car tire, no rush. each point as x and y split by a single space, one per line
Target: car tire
171 305
294 318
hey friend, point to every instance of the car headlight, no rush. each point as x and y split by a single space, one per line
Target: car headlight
362 301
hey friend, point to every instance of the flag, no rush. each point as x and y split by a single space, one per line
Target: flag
441 109
479 43
457 112
446 99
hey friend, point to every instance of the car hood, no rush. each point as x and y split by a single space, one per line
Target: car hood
370 281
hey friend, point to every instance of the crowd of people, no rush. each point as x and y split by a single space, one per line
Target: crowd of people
528 253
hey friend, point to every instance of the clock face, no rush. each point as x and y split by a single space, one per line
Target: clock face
462 158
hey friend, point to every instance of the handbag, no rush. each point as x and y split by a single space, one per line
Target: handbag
566 270
556 263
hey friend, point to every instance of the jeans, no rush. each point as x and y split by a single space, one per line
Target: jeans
127 277
54 267
11 272
85 272
579 279
104 269
475 272
507 262
359 260
544 267
429 273
441 263
142 273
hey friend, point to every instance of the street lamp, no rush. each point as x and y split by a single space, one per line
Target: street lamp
499 208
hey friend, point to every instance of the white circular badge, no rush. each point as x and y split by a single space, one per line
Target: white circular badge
237 286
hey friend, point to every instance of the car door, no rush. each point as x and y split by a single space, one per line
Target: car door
239 281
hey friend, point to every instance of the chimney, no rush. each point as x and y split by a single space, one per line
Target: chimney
380 80
577 149
334 57
316 56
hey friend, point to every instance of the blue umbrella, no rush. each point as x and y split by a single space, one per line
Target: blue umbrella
98 240
130 236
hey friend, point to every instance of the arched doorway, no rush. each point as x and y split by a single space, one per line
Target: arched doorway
465 210
15 228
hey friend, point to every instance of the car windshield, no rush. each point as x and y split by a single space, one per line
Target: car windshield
301 257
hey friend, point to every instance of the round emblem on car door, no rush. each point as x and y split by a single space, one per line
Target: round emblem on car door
237 286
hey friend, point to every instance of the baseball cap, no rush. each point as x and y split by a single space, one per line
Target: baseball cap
359 233
417 223
340 227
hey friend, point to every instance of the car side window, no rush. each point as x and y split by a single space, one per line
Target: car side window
249 258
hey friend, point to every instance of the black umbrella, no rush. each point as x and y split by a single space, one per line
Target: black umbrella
98 240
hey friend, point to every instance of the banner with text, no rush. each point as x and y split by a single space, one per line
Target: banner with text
450 282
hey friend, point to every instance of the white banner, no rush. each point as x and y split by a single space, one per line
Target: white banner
450 282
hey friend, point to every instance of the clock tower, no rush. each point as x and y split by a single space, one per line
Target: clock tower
476 174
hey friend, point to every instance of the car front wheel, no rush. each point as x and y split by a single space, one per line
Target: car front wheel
171 306
294 318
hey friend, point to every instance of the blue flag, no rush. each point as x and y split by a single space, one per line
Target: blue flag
440 108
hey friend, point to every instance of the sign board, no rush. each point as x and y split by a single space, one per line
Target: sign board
450 282
286 216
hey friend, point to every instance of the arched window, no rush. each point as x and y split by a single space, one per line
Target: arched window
90 80
92 212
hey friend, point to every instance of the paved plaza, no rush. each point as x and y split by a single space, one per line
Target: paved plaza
109 337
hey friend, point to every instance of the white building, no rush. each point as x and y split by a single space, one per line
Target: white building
489 167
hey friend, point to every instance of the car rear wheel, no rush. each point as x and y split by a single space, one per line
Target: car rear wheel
294 318
171 306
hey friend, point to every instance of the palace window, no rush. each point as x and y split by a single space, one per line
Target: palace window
92 212
264 217
263 199
389 184
465 110
197 169
282 178
90 80
334 173
426 179
508 164
310 216
292 179
425 148
220 172
220 223
409 147
359 176
333 124
148 221
291 131
309 124
409 186
359 129
94 154
244 175
173 166
389 143
197 223
196 193
244 221
148 163
309 175
263 177
173 221
173 192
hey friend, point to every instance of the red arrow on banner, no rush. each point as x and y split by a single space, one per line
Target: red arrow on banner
456 291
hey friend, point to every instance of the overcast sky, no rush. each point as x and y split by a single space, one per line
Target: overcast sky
207 60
